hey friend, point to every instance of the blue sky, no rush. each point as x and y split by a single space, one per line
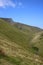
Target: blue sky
24 11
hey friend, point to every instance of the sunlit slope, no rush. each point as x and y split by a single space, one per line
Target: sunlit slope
13 54
13 34
16 45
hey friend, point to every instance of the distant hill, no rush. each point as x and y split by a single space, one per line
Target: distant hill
20 44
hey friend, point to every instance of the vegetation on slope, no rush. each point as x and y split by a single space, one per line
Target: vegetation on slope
18 45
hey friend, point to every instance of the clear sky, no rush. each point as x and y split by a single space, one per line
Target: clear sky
24 11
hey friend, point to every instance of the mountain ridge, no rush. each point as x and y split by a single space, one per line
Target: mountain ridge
10 20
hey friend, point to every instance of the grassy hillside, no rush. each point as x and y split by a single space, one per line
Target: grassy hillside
37 41
20 44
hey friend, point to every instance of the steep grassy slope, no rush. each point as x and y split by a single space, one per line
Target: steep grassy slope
14 54
16 44
14 34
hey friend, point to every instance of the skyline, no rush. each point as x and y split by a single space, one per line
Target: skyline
29 12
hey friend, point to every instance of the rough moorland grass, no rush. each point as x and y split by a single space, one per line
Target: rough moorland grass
15 35
19 61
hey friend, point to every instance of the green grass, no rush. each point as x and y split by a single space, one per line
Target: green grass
14 34
19 61
22 37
